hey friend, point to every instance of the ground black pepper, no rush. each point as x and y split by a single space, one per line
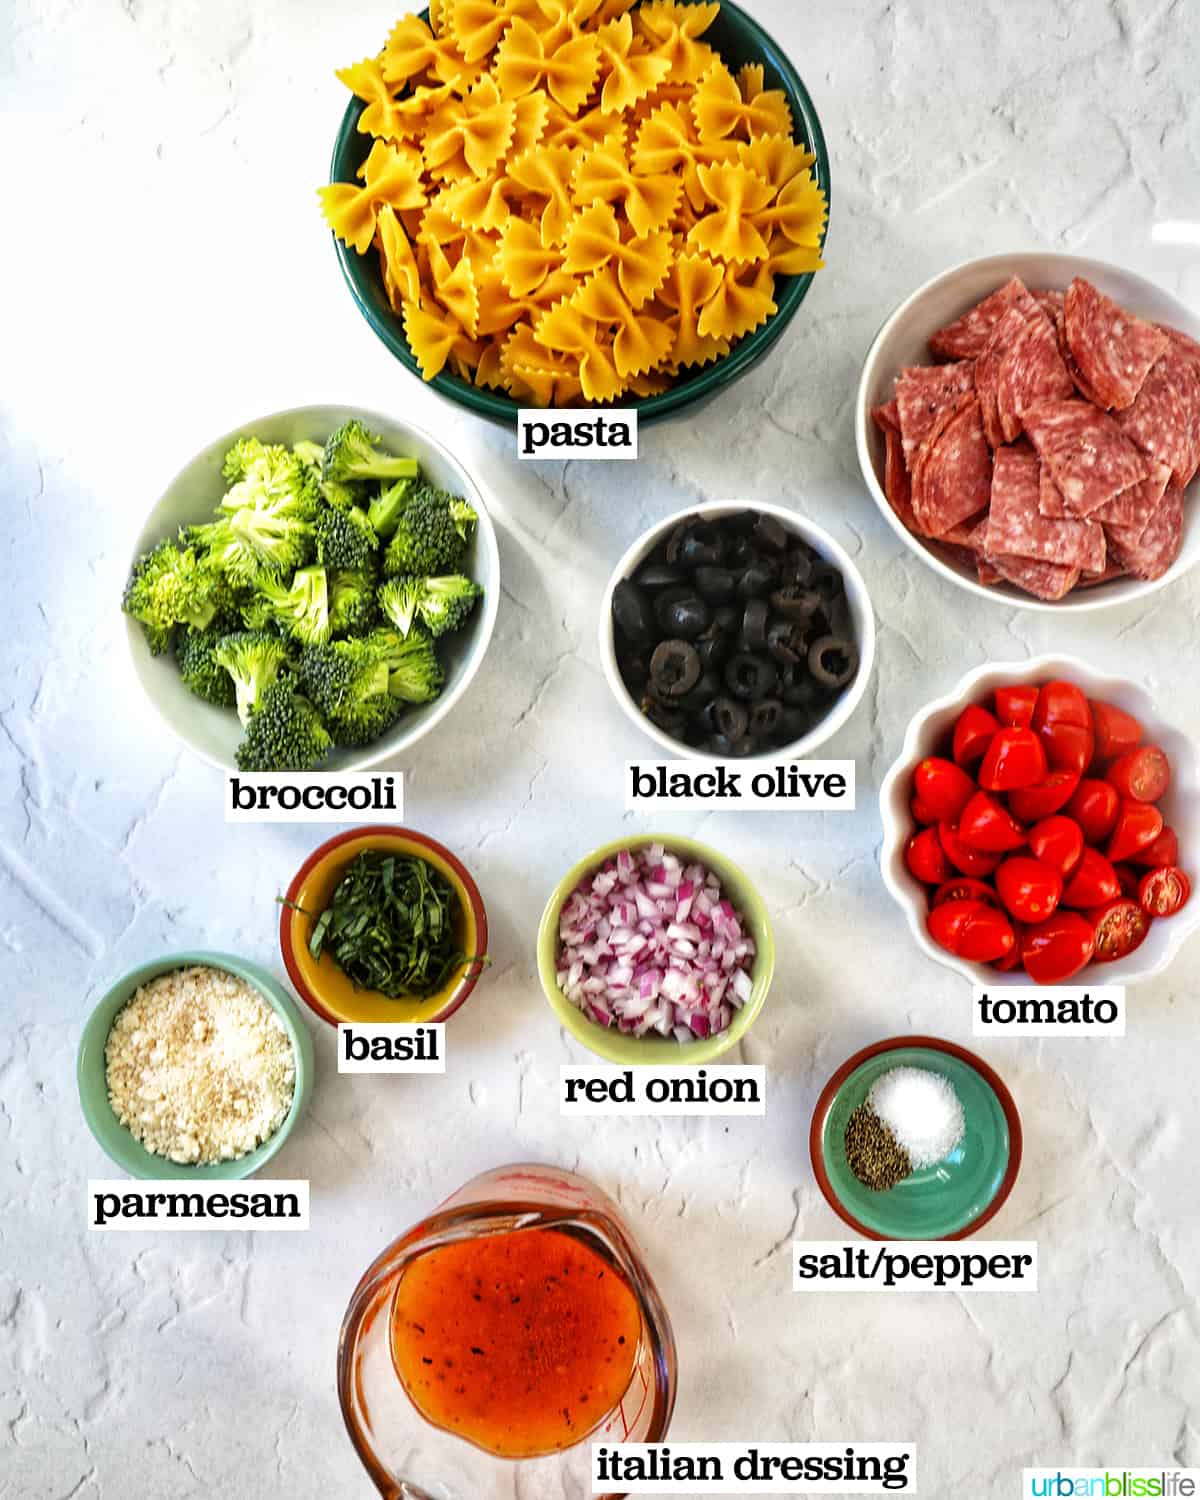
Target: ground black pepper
872 1152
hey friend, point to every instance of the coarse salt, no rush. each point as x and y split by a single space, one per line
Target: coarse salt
922 1111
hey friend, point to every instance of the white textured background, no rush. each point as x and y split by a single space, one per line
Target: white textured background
165 276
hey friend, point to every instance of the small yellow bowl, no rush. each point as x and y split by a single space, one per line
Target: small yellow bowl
323 987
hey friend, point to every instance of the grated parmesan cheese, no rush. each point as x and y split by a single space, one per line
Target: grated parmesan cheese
199 1067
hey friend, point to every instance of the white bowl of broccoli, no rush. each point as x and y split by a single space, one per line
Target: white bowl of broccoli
314 591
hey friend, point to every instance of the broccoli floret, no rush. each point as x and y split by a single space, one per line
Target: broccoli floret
170 586
251 661
348 681
414 674
271 478
300 609
285 732
351 602
431 534
352 453
252 544
441 604
202 672
385 510
308 453
345 538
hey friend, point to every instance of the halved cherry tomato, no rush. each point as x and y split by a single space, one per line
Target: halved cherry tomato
1015 759
1057 841
1056 949
969 861
972 930
922 814
1093 883
1163 851
1061 702
1069 747
965 888
1164 891
1010 960
1120 927
1129 878
1094 807
943 787
1015 706
1028 888
987 824
973 733
1033 803
1116 731
925 858
1138 825
1143 774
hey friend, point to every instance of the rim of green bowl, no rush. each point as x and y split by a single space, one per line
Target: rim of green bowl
825 1103
366 285
114 1139
614 1046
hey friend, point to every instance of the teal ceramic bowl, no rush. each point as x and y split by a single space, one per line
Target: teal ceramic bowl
115 1140
739 39
947 1201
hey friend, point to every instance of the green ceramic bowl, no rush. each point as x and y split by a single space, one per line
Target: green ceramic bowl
739 40
113 1137
944 1202
614 1046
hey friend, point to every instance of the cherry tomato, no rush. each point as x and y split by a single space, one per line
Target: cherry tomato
965 888
1129 878
1143 774
1015 759
987 824
1163 851
1061 703
1057 841
1015 706
1138 825
922 814
972 930
943 787
1094 807
1033 803
1010 960
1116 731
1028 888
1093 883
969 861
1057 948
973 734
1164 891
925 858
1069 747
1120 927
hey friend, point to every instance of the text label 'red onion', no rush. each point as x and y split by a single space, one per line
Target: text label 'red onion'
312 796
740 1089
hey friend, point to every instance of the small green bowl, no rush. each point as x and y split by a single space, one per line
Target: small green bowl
114 1139
739 39
614 1046
948 1201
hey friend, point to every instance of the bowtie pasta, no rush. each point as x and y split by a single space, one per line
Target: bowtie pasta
574 200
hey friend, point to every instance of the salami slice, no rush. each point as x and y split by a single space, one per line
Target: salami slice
1158 546
1089 457
1068 359
1164 421
1130 512
1050 500
1016 528
886 417
952 480
923 394
1113 570
987 370
1113 350
966 336
1045 580
897 482
1032 370
1051 303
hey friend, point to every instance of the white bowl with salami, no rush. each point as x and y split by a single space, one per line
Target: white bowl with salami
1029 425
1131 896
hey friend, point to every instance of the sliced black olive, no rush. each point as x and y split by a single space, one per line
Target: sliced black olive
740 553
833 660
668 596
632 614
757 580
715 648
728 718
634 672
668 718
827 581
750 677
754 625
702 694
687 617
795 602
714 585
765 717
727 618
674 669
658 576
799 689
741 522
785 642
797 566
675 540
703 547
770 534
794 723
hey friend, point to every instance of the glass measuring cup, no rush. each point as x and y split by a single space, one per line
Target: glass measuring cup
409 1458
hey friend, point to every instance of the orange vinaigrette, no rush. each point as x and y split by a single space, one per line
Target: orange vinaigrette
521 1343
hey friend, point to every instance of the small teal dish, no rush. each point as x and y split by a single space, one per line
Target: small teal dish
115 1140
947 1201
739 39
